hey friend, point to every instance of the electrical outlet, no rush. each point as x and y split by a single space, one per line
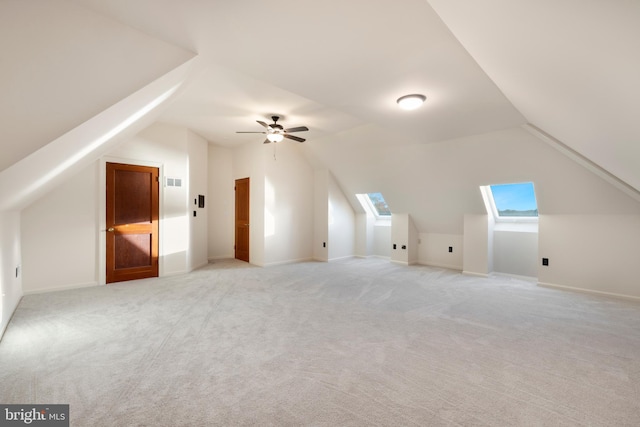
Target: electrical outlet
450 248
324 244
404 246
394 247
545 261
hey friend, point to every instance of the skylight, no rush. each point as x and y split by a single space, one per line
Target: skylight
514 200
379 204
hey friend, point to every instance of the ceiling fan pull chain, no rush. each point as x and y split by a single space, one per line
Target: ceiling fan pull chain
274 151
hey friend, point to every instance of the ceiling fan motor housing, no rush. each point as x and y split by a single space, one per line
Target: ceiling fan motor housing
276 132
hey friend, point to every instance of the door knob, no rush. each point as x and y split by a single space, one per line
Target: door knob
111 229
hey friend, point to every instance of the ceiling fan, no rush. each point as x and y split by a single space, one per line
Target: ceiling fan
276 133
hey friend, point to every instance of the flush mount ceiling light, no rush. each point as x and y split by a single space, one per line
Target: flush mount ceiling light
411 102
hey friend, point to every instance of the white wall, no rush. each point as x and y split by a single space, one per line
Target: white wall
220 203
437 183
414 246
364 235
60 236
382 241
404 234
197 151
282 202
476 245
400 238
62 244
434 250
10 259
341 221
289 205
321 216
515 252
597 253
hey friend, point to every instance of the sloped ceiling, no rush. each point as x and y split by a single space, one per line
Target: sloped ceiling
570 68
62 64
327 65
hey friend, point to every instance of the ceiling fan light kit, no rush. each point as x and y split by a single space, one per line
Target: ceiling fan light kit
275 137
411 102
276 133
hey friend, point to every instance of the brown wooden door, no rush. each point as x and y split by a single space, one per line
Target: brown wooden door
132 222
242 219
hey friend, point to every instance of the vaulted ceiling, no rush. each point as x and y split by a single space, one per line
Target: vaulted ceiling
487 67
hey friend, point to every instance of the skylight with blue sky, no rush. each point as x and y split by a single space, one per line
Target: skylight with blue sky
379 204
515 200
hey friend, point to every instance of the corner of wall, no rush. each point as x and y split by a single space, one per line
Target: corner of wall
10 267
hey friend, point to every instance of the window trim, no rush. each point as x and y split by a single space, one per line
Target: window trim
367 205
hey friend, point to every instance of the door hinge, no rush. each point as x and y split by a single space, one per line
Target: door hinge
157 179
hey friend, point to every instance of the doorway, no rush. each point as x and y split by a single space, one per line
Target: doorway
132 215
242 220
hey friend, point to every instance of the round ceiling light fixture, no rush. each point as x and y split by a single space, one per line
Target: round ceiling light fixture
411 102
275 137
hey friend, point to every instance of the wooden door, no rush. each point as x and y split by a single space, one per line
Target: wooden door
242 219
132 222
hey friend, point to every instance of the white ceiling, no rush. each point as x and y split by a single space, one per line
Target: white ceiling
330 65
571 67
568 67
62 65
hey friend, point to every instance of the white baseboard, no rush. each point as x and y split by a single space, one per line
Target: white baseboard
203 264
438 265
472 273
588 291
342 257
516 276
173 273
373 256
218 258
292 261
399 262
61 288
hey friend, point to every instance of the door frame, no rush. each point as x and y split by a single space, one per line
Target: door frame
102 212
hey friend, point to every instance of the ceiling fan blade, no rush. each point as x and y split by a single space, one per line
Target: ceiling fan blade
266 141
297 129
263 124
252 132
295 138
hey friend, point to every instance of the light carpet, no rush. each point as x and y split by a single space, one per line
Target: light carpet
350 343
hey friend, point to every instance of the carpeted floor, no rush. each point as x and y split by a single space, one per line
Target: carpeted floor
354 342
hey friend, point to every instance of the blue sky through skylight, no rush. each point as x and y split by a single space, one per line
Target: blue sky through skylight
515 199
379 204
